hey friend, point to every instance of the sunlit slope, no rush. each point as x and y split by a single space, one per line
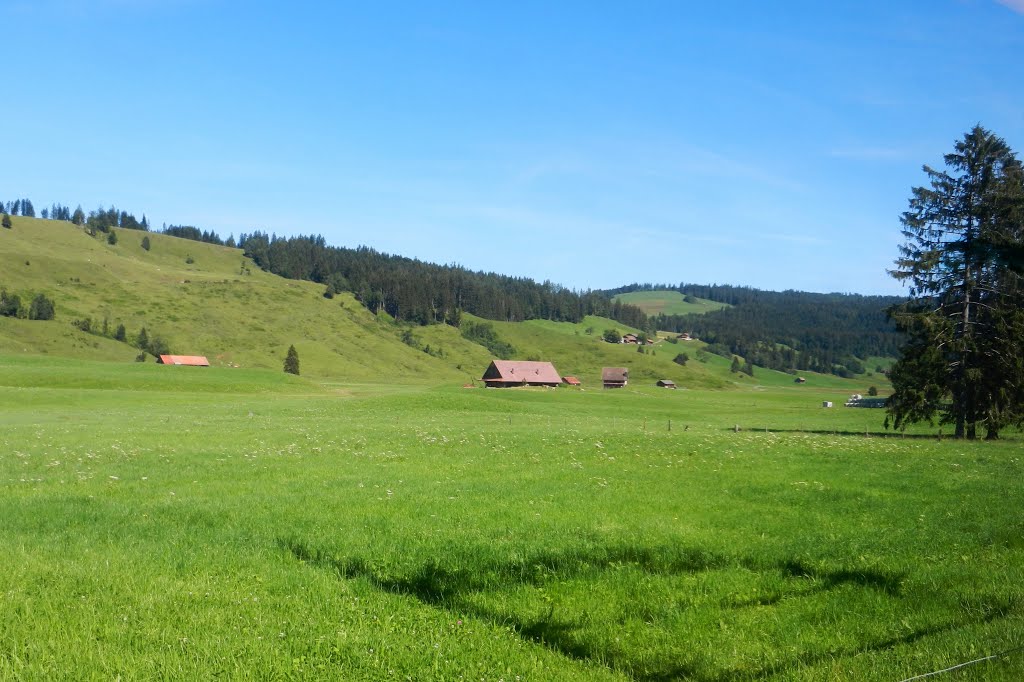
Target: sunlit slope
219 305
668 303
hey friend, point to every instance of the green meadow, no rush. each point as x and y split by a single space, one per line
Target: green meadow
190 523
668 303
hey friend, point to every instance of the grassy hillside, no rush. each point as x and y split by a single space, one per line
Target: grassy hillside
668 302
218 305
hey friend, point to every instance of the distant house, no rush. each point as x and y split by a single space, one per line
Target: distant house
684 337
799 380
571 381
826 403
630 338
614 377
666 383
505 373
191 360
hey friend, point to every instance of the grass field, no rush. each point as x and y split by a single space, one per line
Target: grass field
184 523
668 302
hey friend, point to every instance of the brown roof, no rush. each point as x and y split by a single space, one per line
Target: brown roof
614 374
194 360
572 381
666 382
521 372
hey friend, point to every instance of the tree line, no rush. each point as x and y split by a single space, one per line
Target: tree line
416 292
39 308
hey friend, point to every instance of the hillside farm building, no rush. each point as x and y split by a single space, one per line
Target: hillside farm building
666 383
614 377
571 381
505 373
190 360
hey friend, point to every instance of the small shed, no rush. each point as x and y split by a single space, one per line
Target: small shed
190 360
571 381
506 373
799 380
614 377
826 403
666 383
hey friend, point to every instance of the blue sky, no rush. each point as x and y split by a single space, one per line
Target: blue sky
592 144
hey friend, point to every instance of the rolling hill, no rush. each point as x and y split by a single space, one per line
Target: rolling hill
211 300
664 302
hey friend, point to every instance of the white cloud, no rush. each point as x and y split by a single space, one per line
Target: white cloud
1015 5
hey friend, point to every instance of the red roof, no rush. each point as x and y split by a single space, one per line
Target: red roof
572 381
522 372
193 360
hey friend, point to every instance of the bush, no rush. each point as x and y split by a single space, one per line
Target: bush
112 238
872 390
145 243
612 336
41 308
681 359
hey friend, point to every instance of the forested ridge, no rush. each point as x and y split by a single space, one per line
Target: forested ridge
416 292
787 330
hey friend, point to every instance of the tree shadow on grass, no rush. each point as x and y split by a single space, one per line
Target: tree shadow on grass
453 589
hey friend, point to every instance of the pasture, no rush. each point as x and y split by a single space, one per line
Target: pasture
184 523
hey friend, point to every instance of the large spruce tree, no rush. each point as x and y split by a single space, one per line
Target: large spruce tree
963 356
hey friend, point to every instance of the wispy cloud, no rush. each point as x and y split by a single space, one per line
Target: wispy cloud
1015 5
871 153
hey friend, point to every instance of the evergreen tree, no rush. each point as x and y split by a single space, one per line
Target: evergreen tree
291 361
735 367
112 237
41 308
45 214
142 341
965 296
681 359
10 304
145 243
6 221
120 334
27 209
16 207
78 217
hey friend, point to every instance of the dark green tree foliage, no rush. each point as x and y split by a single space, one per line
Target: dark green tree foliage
291 361
104 220
612 336
145 243
735 367
681 359
10 304
112 238
6 221
41 308
484 334
412 291
27 209
193 233
964 319
158 346
78 217
142 340
120 334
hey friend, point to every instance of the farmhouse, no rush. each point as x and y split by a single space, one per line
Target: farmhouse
614 377
799 380
571 381
666 383
191 360
504 373
630 338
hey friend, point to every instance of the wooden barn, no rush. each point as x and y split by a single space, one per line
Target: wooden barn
190 360
666 383
505 373
614 377
571 381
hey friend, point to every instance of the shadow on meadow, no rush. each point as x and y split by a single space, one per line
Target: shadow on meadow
455 589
